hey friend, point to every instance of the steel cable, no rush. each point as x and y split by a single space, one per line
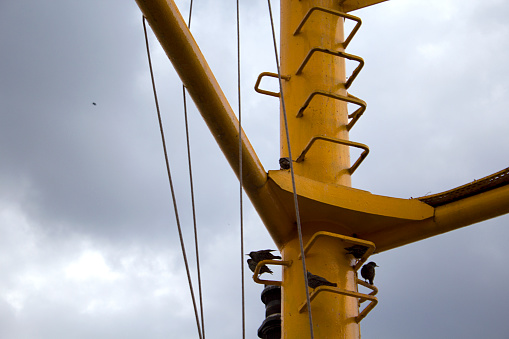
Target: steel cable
295 200
240 179
192 192
171 183
194 214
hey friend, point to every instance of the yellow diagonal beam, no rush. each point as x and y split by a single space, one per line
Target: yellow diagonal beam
387 227
190 64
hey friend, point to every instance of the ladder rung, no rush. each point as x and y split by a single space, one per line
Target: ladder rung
352 169
356 241
341 291
333 12
355 72
256 273
373 288
272 75
348 98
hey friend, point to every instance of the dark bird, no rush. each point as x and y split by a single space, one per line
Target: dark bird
94 104
263 255
252 266
356 250
284 163
368 271
314 281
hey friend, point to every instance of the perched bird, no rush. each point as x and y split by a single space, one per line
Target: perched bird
314 281
356 250
368 271
284 163
263 255
252 266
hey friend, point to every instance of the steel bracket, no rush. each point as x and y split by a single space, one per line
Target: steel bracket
352 169
333 12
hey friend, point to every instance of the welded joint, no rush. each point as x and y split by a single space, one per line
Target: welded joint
355 72
256 273
352 169
336 13
269 74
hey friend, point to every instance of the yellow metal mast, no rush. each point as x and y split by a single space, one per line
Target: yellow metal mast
315 90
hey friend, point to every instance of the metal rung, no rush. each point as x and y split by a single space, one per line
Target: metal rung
336 53
341 291
358 112
333 12
348 98
256 272
371 246
269 74
374 289
352 169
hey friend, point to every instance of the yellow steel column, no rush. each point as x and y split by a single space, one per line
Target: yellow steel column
325 162
333 314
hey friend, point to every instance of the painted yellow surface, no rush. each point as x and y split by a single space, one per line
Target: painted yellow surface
181 48
446 218
327 162
352 199
313 59
327 202
352 5
333 314
267 192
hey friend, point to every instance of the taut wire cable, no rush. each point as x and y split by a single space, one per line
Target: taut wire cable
241 180
200 295
194 213
295 200
171 182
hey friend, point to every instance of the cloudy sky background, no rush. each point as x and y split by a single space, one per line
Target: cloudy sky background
88 240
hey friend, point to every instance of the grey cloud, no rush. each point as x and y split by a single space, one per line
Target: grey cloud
77 178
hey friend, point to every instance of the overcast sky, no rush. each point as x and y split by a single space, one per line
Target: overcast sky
88 240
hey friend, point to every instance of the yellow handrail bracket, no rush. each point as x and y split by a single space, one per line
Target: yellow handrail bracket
355 72
348 98
373 288
256 273
272 75
333 12
356 241
336 290
352 169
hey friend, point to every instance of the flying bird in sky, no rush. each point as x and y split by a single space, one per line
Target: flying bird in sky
94 104
368 271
